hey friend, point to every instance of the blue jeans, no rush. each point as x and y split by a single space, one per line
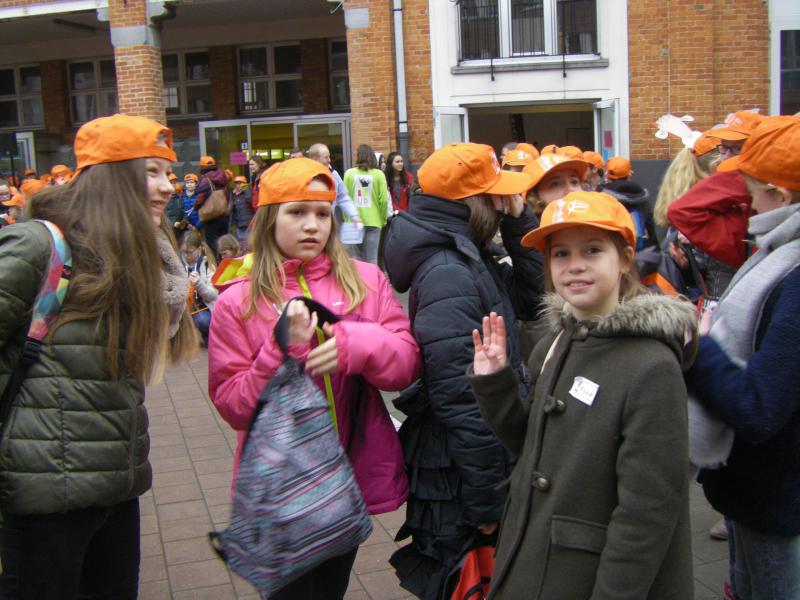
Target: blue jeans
367 250
767 566
202 320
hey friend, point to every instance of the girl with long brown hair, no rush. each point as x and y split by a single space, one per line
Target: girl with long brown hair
73 454
296 252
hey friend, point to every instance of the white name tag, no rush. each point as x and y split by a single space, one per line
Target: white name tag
584 390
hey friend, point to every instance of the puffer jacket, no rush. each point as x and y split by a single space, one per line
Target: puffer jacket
75 438
455 462
374 346
635 198
599 501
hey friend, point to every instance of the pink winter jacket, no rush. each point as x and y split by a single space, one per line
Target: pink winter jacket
373 341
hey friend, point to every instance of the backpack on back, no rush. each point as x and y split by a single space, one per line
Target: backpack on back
296 502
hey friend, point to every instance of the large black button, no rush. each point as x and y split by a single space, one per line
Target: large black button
541 483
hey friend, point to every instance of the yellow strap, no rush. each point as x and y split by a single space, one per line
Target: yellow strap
321 339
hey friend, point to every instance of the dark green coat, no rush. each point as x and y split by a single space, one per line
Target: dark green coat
598 504
75 438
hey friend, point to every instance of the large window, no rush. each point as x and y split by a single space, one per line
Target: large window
270 78
340 79
187 88
518 28
93 89
790 72
20 97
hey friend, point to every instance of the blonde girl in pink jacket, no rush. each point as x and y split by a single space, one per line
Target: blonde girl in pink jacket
297 252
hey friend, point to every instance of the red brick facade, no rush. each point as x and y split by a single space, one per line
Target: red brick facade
316 83
705 59
417 40
222 68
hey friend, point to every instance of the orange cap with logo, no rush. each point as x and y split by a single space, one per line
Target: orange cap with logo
594 209
17 200
738 126
550 163
121 137
207 161
549 149
705 144
618 167
190 177
462 170
595 159
571 152
772 153
288 181
521 155
31 186
60 171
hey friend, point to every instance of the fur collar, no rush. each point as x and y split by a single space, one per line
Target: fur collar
174 282
647 315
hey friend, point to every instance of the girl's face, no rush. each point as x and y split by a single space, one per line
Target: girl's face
189 185
586 270
302 229
766 197
238 187
5 193
253 166
555 186
159 188
190 255
397 163
382 163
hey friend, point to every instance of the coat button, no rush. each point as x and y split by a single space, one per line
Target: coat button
541 483
559 407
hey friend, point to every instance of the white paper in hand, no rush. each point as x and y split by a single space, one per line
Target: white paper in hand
351 233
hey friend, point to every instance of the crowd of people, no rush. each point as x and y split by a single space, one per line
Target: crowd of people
574 352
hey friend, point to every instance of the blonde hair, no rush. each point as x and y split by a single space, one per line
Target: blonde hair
229 242
269 278
684 171
105 217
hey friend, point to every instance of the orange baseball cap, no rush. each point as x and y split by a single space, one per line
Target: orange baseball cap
207 161
772 153
618 168
594 158
462 170
121 137
172 177
729 164
549 149
288 181
191 177
17 200
29 173
240 179
60 171
705 144
571 152
594 209
738 126
31 186
521 155
550 163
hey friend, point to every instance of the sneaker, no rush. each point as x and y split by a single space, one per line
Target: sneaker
718 531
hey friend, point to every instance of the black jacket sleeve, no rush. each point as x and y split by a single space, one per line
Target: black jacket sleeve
524 279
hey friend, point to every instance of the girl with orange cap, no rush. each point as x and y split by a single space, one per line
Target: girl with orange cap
75 447
599 498
297 252
242 209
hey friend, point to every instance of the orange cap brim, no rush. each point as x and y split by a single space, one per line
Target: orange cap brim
510 183
729 164
728 134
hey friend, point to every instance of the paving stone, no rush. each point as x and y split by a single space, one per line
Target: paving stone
217 592
178 493
374 558
181 510
152 568
198 575
186 528
188 550
155 590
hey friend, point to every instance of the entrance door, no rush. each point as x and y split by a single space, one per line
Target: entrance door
450 125
606 127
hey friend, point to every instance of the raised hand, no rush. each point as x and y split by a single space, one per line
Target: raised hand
301 324
490 353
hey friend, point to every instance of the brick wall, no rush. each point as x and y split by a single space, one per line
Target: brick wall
417 41
706 59
370 59
316 82
222 68
55 96
139 82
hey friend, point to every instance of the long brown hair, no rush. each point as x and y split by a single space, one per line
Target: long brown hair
268 276
482 218
105 217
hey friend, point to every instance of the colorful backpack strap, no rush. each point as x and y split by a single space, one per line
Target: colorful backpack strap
54 288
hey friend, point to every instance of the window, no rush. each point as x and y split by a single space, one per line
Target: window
20 97
187 88
270 78
340 79
93 89
790 72
519 28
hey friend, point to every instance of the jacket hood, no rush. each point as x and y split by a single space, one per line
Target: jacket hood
430 225
630 193
646 315
216 176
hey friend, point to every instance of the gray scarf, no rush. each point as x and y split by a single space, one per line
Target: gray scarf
738 316
174 282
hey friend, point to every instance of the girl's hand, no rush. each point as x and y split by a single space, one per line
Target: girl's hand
509 205
324 359
490 354
194 277
301 324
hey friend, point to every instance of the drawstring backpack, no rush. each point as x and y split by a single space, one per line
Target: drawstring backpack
45 311
296 502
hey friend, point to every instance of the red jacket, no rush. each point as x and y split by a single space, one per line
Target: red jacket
713 216
400 202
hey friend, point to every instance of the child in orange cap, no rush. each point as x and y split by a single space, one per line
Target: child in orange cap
594 175
439 252
14 208
190 219
75 448
296 252
241 209
60 175
634 197
553 176
519 156
212 178
608 407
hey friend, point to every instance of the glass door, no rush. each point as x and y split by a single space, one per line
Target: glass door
271 141
606 127
332 134
228 144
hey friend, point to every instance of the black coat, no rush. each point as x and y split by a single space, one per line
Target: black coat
455 462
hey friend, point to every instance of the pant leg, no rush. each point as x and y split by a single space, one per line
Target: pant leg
43 555
327 581
767 566
369 247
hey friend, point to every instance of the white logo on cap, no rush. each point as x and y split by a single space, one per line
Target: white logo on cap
576 206
558 211
495 163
